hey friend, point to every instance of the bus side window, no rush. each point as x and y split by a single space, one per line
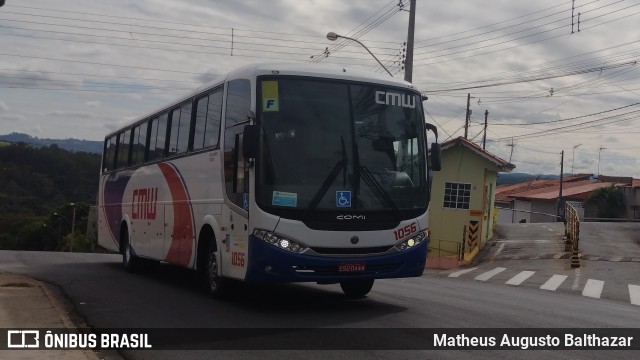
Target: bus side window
139 144
153 134
173 132
180 125
157 138
185 127
207 124
124 142
108 162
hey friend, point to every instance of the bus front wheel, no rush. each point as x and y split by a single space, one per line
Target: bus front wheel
356 288
215 284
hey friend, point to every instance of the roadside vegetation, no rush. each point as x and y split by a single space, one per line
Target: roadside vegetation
39 189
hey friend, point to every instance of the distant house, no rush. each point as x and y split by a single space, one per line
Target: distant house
462 198
537 201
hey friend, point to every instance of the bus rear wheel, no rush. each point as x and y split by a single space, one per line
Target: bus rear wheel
129 261
356 288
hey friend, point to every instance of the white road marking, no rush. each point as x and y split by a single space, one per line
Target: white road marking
593 288
550 229
520 278
461 272
634 294
497 251
554 282
489 274
576 280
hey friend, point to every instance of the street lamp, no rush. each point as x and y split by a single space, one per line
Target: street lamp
572 157
72 223
333 37
599 152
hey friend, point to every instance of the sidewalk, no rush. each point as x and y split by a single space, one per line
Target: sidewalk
27 303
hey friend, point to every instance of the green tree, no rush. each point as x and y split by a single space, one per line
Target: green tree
608 200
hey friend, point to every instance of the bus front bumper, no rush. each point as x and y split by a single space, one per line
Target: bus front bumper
270 264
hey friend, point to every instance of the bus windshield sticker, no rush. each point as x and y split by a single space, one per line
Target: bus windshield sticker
285 199
270 98
343 198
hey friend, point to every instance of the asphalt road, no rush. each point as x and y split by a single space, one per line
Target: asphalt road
166 297
610 240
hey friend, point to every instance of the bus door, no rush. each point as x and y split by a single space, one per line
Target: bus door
235 245
236 241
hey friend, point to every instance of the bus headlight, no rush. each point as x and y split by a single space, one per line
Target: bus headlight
412 241
279 241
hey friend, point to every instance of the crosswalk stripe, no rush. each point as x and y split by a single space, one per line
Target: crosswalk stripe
634 294
520 278
489 274
554 282
593 288
461 272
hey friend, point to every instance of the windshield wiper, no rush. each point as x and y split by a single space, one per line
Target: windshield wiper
378 190
341 165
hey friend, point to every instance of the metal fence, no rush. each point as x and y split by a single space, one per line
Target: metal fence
572 232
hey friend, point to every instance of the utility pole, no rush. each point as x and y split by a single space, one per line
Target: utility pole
559 213
484 137
408 62
599 152
466 122
512 145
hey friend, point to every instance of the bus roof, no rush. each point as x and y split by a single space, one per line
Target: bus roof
315 70
283 69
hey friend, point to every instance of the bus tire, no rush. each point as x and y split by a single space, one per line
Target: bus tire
130 262
356 288
215 284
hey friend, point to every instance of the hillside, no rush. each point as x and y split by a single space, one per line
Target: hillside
66 144
516 178
36 183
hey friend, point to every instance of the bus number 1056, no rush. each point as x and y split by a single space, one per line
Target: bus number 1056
405 231
237 259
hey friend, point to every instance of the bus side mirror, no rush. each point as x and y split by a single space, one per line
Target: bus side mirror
436 157
250 142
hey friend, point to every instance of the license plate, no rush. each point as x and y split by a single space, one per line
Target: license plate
352 267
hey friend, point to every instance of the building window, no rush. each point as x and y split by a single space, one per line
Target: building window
456 195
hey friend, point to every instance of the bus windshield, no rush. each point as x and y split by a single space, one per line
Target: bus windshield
332 145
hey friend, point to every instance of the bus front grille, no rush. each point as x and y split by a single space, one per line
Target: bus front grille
351 251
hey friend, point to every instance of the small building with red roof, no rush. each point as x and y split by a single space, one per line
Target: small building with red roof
461 211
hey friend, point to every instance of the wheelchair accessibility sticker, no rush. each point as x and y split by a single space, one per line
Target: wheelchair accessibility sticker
343 198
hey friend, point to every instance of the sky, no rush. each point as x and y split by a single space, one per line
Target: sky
553 75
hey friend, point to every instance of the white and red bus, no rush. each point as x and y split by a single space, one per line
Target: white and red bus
277 173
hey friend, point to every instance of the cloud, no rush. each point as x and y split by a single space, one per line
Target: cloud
93 104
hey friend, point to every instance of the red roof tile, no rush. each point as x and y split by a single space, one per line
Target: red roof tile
499 162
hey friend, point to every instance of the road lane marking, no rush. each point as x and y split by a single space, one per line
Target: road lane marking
489 274
593 288
554 282
461 272
520 278
576 280
550 229
497 252
634 294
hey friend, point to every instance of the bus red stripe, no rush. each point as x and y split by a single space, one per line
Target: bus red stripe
183 235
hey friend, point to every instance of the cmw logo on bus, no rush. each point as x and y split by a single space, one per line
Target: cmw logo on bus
389 98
